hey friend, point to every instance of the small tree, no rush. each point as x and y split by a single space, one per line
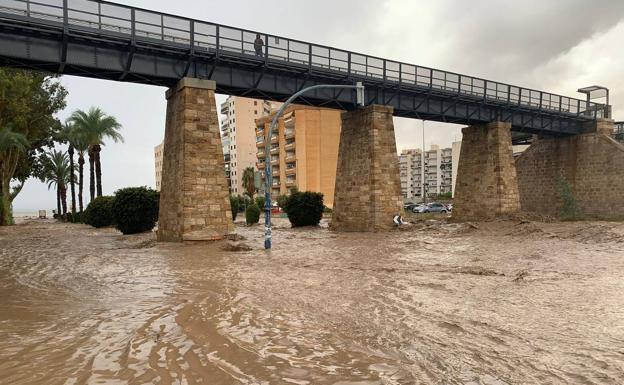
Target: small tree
234 204
249 181
252 214
569 209
305 208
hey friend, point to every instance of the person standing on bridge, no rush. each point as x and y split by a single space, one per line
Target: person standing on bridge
258 45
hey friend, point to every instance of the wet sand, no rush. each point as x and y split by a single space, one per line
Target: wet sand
496 303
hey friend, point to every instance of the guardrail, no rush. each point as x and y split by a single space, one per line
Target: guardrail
200 37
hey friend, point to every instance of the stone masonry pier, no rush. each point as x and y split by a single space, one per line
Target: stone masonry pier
592 164
368 186
194 200
486 184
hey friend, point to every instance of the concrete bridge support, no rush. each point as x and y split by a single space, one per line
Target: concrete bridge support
368 185
592 165
486 184
194 198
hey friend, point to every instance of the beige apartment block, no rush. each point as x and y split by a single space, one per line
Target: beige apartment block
158 163
238 136
304 150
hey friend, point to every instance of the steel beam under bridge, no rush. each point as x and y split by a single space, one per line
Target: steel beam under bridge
106 40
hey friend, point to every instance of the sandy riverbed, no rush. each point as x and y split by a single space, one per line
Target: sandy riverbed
503 303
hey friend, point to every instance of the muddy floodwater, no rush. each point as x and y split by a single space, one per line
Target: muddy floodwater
509 302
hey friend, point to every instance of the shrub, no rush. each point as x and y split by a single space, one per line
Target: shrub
71 218
99 213
260 202
243 202
305 208
282 202
234 205
569 209
252 215
135 209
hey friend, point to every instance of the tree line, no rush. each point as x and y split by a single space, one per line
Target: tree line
30 133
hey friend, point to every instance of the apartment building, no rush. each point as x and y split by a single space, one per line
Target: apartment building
303 151
238 136
431 173
158 159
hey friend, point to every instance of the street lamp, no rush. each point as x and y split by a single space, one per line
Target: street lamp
268 173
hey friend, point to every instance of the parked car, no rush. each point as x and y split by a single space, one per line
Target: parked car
449 207
419 208
409 206
436 208
431 208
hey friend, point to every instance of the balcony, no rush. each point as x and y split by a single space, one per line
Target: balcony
274 139
260 143
289 133
274 161
275 150
261 166
225 108
260 154
291 183
291 171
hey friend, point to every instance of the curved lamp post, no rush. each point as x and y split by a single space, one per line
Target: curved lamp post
268 173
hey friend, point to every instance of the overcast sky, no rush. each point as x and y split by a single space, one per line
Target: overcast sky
556 46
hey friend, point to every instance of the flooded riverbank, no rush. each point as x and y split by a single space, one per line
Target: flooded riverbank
496 303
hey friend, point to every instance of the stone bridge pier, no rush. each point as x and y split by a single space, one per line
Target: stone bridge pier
194 197
368 186
486 185
591 164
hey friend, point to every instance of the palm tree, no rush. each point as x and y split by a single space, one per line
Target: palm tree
96 126
249 181
77 144
12 144
66 134
57 173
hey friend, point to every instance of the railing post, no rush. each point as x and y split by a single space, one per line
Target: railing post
384 70
485 89
266 48
218 41
400 74
541 100
242 42
133 26
65 16
162 27
192 37
309 57
349 65
99 15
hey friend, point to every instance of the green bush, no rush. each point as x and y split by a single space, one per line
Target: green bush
135 209
569 209
71 218
305 208
282 202
234 205
243 202
252 215
260 202
99 213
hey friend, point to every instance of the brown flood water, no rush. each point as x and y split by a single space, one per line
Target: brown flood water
507 303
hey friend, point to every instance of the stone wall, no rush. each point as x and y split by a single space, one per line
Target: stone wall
194 198
368 186
592 165
486 176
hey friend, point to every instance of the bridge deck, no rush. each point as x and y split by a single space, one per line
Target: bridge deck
116 42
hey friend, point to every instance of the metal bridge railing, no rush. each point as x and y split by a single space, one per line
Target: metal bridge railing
618 134
204 38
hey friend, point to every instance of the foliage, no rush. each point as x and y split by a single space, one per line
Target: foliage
260 202
135 209
445 196
74 218
569 210
28 104
249 181
99 212
305 208
94 126
57 173
252 215
282 202
235 205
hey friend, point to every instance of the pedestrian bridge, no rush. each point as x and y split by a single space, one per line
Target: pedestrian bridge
104 40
